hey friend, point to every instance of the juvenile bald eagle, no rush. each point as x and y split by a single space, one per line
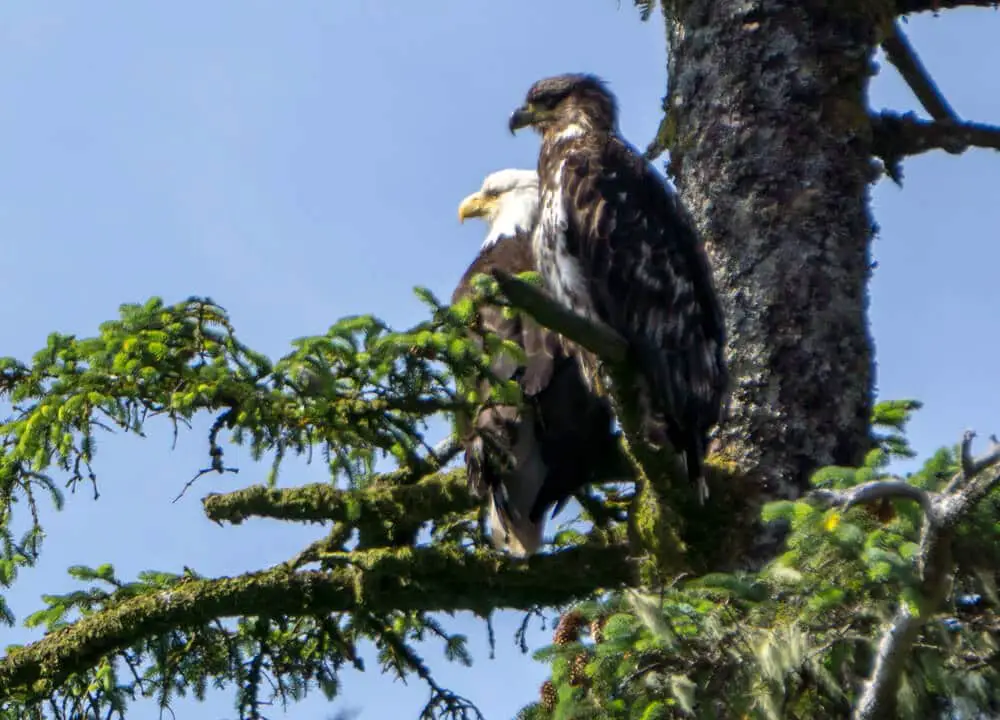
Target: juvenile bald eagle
613 243
530 458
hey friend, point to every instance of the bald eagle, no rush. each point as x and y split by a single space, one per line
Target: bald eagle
613 243
531 458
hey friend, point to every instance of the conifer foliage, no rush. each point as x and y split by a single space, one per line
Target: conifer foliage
880 601
795 639
359 392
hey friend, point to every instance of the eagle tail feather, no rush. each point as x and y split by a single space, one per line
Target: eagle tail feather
512 471
693 461
660 399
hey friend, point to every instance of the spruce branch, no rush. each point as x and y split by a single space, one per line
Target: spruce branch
900 53
907 7
427 579
943 511
318 502
443 703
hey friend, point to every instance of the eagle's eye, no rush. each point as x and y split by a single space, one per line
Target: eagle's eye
547 101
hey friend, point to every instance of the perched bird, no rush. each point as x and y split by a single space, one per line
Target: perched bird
532 457
614 244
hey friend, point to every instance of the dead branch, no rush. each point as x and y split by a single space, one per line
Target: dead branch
871 492
900 53
972 466
942 512
897 136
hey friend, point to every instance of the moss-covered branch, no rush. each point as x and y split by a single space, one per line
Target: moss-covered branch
433 497
596 337
422 579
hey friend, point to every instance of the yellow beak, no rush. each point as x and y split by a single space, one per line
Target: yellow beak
475 205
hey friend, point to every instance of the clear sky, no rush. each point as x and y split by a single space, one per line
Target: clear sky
302 161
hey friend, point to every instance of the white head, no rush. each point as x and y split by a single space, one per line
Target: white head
508 200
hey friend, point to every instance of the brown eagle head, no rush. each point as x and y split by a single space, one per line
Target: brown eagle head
559 102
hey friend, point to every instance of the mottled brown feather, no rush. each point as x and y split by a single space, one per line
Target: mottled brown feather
646 271
533 458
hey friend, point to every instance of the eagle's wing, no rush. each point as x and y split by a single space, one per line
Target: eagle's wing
541 346
649 278
503 446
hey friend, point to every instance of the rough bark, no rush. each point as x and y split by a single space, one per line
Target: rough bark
771 150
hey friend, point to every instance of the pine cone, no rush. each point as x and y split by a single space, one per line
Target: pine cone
549 696
577 671
569 627
597 628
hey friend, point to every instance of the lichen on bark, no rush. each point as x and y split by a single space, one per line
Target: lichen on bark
772 156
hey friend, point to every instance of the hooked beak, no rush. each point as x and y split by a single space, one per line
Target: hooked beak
475 205
522 117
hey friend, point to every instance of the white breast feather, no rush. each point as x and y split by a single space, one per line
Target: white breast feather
561 271
573 130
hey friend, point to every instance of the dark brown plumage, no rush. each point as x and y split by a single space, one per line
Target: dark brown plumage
615 244
532 458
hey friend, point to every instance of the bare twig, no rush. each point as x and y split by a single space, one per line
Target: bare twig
897 136
905 7
968 490
199 474
966 461
871 491
594 336
901 54
942 512
971 466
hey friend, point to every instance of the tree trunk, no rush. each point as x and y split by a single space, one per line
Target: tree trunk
771 150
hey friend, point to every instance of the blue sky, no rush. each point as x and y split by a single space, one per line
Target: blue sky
302 161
